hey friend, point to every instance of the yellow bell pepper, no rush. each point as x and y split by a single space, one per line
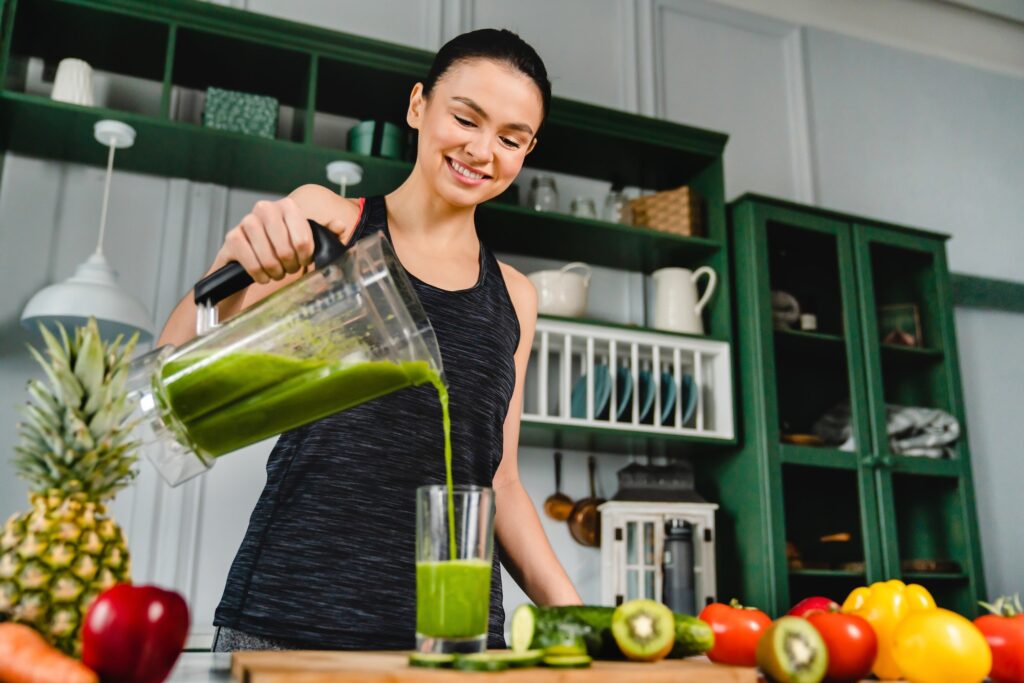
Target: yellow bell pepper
939 646
884 605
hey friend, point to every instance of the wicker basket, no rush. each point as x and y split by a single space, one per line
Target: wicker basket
676 211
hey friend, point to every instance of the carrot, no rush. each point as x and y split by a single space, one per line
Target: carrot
26 657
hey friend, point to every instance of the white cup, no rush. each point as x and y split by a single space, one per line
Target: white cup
73 82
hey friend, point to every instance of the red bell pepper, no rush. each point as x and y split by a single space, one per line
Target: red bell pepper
134 633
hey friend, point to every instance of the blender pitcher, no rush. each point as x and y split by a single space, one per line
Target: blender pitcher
350 331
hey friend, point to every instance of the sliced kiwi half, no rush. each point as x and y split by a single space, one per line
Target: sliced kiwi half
644 630
792 651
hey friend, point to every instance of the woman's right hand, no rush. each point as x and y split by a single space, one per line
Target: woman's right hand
270 242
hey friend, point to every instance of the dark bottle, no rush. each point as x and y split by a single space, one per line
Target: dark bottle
678 590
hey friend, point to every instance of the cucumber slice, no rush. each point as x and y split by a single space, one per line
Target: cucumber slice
480 661
518 660
524 626
431 660
567 661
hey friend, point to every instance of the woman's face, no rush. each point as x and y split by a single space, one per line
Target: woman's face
475 129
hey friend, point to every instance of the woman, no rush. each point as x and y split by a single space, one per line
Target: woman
328 558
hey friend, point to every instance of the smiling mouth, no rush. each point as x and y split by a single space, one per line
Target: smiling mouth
464 171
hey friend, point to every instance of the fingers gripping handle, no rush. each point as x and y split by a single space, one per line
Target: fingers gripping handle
232 278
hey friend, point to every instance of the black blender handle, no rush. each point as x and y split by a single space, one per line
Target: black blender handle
232 278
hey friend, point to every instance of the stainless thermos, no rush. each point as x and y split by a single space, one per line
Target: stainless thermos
677 567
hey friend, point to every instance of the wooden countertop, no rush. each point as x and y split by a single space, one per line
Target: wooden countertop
392 667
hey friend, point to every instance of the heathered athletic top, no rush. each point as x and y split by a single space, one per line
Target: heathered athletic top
328 558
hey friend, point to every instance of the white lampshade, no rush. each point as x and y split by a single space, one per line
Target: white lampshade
92 292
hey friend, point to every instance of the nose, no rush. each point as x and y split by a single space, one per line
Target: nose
479 149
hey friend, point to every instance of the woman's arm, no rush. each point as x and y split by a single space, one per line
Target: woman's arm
526 552
272 267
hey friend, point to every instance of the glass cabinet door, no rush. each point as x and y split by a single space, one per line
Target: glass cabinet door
811 333
928 523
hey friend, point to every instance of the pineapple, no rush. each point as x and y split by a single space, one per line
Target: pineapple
75 451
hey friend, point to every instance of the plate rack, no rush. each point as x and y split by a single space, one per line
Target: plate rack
587 375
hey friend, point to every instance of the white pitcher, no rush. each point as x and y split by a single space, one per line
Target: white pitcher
676 307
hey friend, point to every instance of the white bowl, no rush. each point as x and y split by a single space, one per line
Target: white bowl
562 292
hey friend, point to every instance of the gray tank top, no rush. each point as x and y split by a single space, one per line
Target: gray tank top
328 558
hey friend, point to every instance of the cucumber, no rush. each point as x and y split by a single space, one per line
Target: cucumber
431 660
480 661
693 637
536 627
517 660
567 661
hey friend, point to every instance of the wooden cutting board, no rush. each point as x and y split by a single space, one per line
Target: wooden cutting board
392 667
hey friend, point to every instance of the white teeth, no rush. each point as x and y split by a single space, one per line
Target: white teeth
465 171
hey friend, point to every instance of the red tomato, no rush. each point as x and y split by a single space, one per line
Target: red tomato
1005 635
814 605
737 630
851 642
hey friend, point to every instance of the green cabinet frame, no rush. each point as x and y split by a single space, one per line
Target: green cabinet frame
908 507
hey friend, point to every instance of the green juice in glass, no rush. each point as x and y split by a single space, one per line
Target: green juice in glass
453 598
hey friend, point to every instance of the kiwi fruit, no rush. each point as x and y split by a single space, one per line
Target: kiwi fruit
644 630
792 651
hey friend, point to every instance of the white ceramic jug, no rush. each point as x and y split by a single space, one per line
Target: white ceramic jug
676 307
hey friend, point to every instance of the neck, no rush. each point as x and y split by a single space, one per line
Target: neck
420 214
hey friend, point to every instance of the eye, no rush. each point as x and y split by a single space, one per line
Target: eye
511 143
464 122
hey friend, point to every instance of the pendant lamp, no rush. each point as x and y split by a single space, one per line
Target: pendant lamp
93 292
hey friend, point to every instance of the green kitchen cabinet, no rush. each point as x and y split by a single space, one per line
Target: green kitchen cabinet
175 50
830 519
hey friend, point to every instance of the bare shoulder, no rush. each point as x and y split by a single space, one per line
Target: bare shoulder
522 293
325 206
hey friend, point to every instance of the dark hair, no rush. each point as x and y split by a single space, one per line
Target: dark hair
499 45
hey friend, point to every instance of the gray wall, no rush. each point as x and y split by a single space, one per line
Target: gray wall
813 115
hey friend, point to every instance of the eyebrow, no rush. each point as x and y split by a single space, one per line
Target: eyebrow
480 110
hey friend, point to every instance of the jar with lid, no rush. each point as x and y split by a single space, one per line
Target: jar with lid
543 193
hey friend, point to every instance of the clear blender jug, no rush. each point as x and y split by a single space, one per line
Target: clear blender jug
348 332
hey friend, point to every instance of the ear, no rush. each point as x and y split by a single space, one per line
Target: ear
533 143
417 103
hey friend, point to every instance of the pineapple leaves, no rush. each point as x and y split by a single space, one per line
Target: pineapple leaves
89 361
76 433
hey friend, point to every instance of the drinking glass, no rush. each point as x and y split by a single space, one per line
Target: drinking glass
454 546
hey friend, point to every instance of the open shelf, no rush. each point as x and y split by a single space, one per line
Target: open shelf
40 127
54 30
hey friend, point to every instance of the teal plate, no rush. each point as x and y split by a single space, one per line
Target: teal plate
646 394
668 397
602 393
624 389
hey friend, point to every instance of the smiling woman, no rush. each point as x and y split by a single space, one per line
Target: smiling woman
328 560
